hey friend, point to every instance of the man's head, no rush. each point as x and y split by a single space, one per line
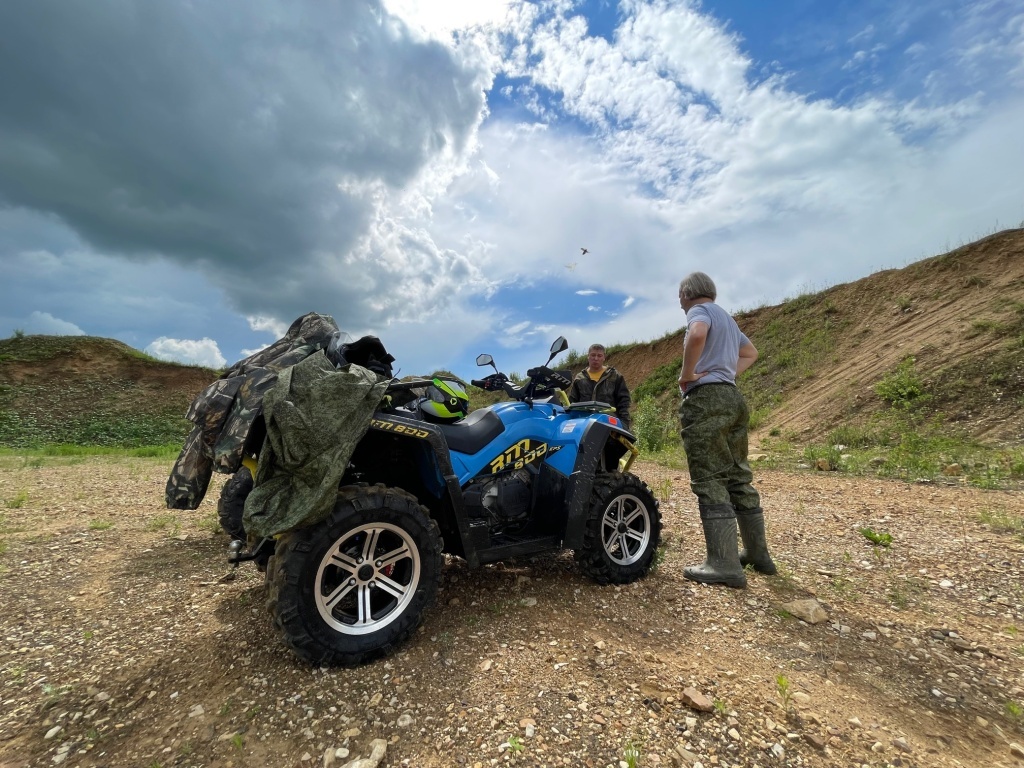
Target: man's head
595 357
695 286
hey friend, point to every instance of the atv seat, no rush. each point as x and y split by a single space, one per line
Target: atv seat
591 406
474 432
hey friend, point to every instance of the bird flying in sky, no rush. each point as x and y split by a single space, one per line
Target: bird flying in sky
585 251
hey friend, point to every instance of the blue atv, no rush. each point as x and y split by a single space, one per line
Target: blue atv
519 478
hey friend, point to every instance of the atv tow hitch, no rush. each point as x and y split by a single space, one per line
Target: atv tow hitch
236 556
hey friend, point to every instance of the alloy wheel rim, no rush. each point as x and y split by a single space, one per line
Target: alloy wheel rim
367 579
625 529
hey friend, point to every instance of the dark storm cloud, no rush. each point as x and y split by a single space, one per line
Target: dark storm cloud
217 133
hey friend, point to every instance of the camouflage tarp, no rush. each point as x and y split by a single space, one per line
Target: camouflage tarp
225 410
315 415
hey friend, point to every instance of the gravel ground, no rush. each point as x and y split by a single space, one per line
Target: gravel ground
124 644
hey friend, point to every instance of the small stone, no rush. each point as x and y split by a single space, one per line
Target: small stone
801 698
816 741
878 747
697 700
981 721
734 734
528 602
686 756
808 609
53 732
946 584
779 751
901 744
306 757
485 665
197 711
405 720
855 722
1017 751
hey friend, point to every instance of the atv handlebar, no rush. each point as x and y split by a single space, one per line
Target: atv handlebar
493 383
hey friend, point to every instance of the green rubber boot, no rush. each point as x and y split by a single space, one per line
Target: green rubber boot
755 545
723 562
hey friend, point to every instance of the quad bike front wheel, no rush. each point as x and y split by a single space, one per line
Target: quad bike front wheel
623 530
352 588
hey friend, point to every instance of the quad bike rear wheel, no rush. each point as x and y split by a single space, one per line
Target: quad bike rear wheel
353 587
623 530
231 504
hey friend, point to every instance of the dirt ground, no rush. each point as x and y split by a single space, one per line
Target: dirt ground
124 646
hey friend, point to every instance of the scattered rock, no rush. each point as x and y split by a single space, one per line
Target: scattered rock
901 744
696 700
378 748
816 741
807 609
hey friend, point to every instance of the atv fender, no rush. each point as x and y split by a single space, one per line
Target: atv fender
598 438
399 426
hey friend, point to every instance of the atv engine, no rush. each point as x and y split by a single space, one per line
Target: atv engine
504 501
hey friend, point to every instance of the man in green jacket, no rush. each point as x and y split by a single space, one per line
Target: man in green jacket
601 383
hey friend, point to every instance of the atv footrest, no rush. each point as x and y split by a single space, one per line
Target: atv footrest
519 548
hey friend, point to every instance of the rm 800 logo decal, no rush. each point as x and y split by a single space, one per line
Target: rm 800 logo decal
522 453
401 429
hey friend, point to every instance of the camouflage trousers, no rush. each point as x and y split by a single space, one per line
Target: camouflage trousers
714 421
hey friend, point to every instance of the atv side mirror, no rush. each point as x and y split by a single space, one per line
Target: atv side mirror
486 360
559 345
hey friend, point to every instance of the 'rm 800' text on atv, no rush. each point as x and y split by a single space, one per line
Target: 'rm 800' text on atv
518 478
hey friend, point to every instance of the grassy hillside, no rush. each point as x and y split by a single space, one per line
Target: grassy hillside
914 369
88 391
905 372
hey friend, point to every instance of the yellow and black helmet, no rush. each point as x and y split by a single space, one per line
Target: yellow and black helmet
445 402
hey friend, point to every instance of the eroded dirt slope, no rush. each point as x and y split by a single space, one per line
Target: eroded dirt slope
960 315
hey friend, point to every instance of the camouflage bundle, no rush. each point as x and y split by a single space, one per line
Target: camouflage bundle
224 412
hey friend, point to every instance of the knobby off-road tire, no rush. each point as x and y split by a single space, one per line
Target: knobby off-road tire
354 587
232 503
623 530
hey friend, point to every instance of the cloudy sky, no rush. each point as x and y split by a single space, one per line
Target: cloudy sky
191 177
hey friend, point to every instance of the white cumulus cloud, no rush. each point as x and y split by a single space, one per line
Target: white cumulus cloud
46 324
203 351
